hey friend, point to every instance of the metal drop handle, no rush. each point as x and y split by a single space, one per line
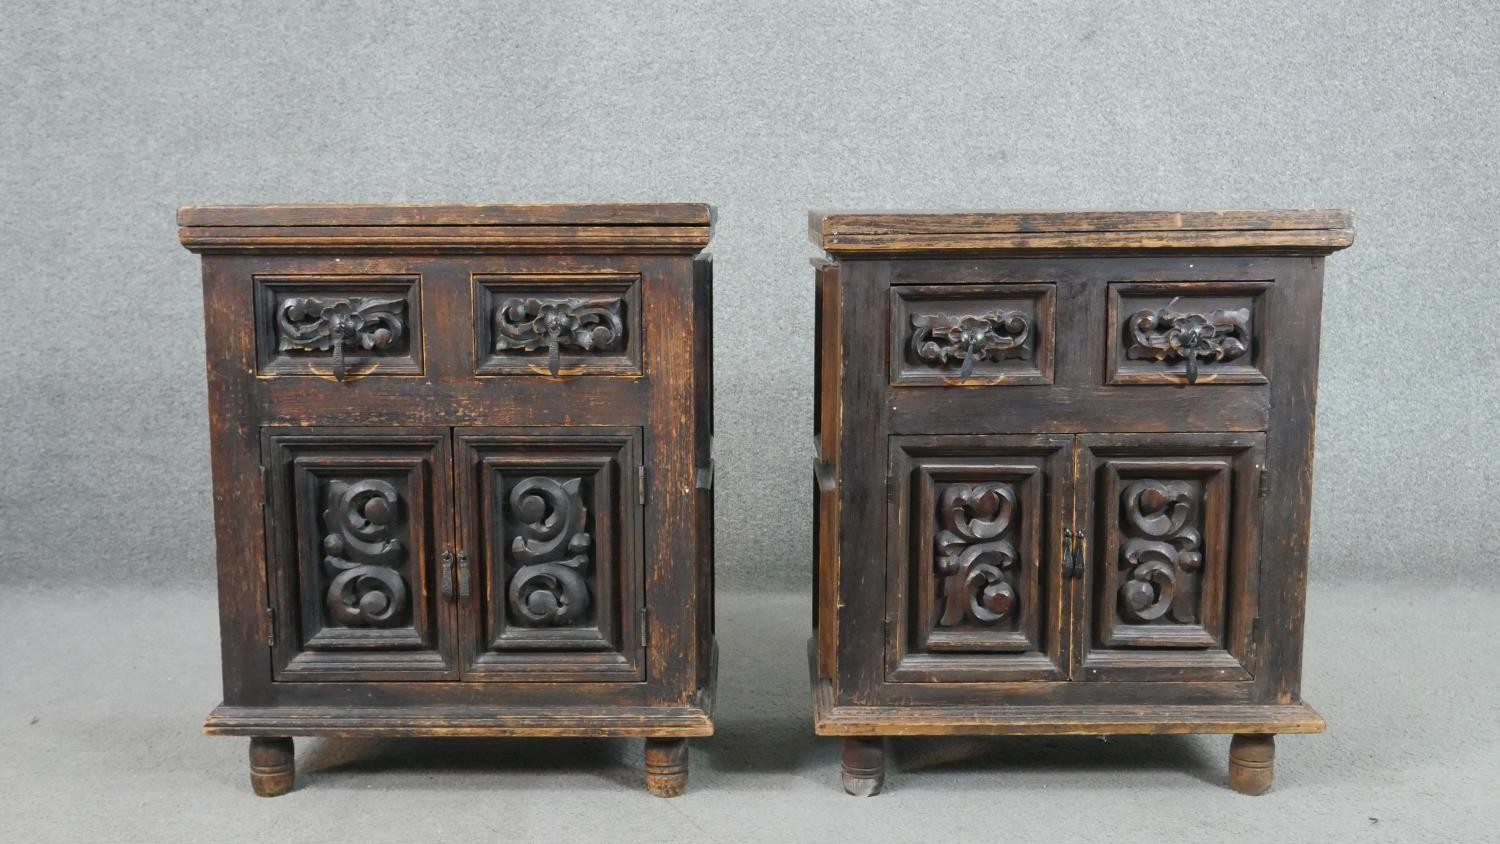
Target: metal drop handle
463 575
1072 558
343 331
968 367
446 576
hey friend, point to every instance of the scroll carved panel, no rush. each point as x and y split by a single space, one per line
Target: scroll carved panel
975 553
1163 576
353 542
552 519
340 326
585 324
363 554
1163 552
1188 332
551 551
972 585
971 334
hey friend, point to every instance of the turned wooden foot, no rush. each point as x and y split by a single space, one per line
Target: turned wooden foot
272 767
864 765
666 766
1252 760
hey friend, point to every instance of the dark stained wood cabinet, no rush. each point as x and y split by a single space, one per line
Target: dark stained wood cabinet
462 473
1063 473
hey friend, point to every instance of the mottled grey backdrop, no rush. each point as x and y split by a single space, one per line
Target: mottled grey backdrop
113 114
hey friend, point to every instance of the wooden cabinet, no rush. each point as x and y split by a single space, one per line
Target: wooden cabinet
462 473
1063 474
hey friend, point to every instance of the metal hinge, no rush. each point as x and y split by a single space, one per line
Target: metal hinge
645 629
270 627
640 485
1265 481
1254 648
265 486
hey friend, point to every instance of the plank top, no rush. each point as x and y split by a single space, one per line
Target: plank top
1311 232
655 214
661 228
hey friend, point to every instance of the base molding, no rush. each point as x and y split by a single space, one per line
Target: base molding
832 719
340 721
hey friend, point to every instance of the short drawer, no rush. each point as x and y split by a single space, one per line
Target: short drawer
338 325
557 324
972 334
1190 332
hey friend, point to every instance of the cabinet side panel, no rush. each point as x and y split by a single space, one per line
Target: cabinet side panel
703 413
1296 311
671 479
826 422
860 475
239 529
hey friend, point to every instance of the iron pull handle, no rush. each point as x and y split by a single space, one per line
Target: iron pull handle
446 576
1067 552
968 365
343 332
463 575
1078 554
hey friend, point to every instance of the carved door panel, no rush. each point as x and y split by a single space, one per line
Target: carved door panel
1170 555
973 584
551 526
357 518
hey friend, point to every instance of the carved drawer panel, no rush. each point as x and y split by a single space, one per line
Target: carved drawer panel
1188 332
338 325
1173 539
356 517
971 334
534 324
554 518
970 551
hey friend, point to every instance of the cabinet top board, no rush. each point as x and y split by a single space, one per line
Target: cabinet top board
1316 232
660 228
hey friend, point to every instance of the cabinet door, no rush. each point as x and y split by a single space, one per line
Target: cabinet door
551 526
355 522
1171 552
972 564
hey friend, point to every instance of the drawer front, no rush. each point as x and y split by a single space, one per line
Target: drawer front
338 325
1197 333
557 324
971 334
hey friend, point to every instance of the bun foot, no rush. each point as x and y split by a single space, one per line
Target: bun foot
272 766
864 765
1252 760
666 766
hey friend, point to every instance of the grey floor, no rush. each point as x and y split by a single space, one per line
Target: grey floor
102 693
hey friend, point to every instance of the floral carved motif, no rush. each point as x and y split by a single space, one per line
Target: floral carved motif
308 323
552 550
1163 552
588 325
362 553
1169 335
941 339
973 553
